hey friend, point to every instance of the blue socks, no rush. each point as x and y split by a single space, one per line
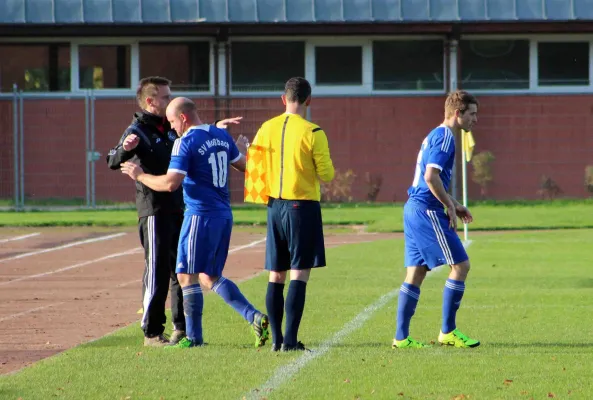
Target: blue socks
406 306
275 308
295 304
231 294
193 305
451 300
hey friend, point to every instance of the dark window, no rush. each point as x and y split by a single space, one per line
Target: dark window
35 67
187 65
408 65
494 64
104 67
338 65
265 66
563 64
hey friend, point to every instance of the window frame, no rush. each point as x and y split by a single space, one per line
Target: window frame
134 43
366 89
534 40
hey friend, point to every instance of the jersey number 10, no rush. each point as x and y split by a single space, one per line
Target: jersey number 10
220 169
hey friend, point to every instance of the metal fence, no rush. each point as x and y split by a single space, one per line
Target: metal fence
53 151
53 148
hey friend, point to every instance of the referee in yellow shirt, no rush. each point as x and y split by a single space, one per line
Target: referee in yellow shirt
297 156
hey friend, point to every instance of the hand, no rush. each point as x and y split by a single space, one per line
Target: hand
225 122
242 144
463 213
451 213
131 169
130 142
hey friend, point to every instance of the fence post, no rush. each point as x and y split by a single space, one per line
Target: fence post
15 139
92 152
22 148
86 149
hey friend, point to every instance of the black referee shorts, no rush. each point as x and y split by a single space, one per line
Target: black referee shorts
295 235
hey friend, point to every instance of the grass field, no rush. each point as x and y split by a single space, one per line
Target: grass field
528 300
377 218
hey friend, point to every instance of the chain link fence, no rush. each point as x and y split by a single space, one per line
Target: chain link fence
53 147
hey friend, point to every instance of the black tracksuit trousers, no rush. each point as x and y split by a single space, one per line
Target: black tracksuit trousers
159 235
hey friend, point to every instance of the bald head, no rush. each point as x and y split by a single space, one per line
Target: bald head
182 113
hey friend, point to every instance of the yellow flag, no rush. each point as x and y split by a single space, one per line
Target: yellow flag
468 143
256 190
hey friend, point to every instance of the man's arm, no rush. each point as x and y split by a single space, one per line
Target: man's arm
435 184
240 164
455 202
125 150
162 183
323 162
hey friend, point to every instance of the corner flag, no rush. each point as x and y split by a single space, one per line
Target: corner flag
256 190
468 145
467 148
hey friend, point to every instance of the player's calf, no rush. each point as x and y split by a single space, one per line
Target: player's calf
231 294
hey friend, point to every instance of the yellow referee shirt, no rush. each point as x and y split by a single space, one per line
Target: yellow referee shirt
296 157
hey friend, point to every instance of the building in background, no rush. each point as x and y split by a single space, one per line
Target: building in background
380 70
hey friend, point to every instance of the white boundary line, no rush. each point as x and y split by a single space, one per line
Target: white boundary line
64 246
248 245
287 371
82 264
12 239
32 310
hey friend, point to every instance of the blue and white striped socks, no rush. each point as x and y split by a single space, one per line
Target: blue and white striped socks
231 294
406 307
451 300
193 305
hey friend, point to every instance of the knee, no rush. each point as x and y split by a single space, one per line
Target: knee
277 277
415 275
300 275
208 281
187 279
460 271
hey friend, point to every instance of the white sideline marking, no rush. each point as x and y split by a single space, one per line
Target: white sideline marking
12 239
121 285
248 245
64 246
285 372
30 311
82 264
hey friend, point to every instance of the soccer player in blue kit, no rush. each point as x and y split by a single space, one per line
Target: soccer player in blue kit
200 160
430 223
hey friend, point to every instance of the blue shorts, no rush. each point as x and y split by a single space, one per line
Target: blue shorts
429 241
203 245
294 235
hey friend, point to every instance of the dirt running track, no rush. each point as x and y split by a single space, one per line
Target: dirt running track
60 287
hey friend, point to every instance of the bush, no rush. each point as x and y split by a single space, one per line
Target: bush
482 174
549 189
339 189
374 182
589 179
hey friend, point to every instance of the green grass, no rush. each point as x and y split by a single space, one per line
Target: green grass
378 218
527 300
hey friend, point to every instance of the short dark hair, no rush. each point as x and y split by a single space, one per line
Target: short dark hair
297 89
458 100
147 87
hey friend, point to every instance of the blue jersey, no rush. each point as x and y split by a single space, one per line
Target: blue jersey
438 151
204 155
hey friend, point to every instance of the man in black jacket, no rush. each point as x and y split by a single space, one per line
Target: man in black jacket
148 141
